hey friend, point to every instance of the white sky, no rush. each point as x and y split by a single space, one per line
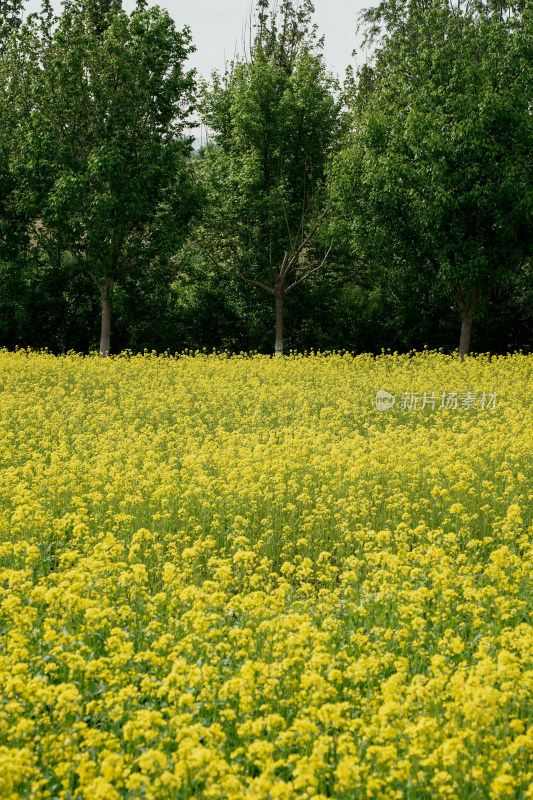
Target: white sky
217 28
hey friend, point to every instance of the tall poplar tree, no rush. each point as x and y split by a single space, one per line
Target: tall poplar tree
14 262
10 22
437 170
101 159
273 120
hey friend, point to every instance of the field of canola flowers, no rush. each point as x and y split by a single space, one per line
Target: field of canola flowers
237 578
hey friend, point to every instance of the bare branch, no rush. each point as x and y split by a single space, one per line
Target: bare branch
307 274
98 282
304 212
289 264
238 274
287 221
248 280
283 271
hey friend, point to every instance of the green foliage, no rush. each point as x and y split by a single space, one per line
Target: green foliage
103 99
274 133
11 222
275 123
10 21
429 204
438 168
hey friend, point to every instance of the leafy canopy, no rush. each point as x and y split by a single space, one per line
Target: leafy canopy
438 167
274 120
103 101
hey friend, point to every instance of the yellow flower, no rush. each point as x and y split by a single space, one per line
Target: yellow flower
237 578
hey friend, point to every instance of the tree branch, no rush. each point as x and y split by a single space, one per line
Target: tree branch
288 264
286 221
238 274
307 274
248 280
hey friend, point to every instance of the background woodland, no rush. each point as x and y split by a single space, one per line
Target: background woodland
394 210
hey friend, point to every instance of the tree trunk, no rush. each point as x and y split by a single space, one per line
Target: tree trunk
466 326
105 331
466 329
279 297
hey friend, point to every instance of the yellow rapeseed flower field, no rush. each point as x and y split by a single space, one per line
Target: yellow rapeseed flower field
236 577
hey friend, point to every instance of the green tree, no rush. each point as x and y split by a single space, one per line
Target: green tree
10 21
438 168
274 121
103 99
15 267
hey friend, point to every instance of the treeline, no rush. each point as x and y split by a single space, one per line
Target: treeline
394 211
